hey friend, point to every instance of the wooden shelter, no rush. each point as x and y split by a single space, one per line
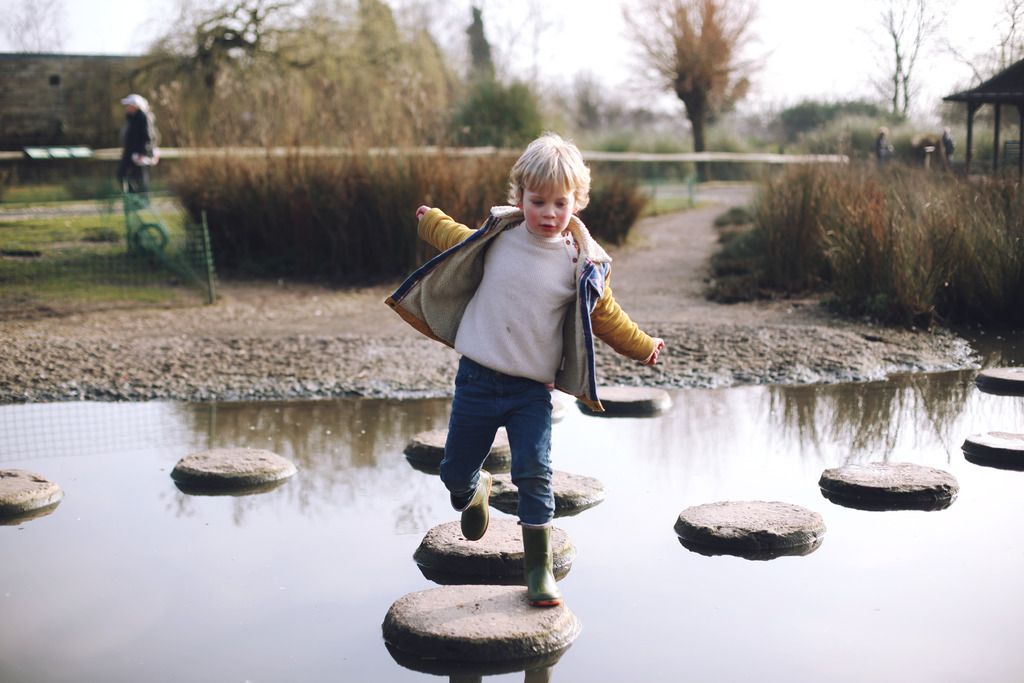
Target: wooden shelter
1006 87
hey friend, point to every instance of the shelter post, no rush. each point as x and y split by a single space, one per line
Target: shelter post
995 143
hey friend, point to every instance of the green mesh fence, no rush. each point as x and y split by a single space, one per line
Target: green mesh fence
109 252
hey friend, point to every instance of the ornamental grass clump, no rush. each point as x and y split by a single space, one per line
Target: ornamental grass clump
901 244
350 217
341 218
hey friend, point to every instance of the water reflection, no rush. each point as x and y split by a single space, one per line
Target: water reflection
872 417
534 670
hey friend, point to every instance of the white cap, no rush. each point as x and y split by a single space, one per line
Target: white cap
136 101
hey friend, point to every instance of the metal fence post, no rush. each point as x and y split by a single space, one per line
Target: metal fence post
211 284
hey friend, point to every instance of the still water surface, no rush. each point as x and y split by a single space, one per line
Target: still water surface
131 580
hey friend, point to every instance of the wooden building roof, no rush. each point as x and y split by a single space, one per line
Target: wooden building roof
1006 87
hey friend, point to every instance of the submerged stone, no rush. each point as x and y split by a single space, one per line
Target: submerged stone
1002 381
573 493
231 471
755 530
889 486
26 495
630 402
445 556
1003 450
476 624
426 450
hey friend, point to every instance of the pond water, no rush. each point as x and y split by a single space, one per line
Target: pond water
131 580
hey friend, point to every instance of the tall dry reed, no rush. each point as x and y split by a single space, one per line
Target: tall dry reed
351 218
900 244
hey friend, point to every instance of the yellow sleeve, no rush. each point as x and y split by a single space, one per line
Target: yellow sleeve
441 231
614 327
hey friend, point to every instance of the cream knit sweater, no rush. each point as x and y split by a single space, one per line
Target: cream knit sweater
513 323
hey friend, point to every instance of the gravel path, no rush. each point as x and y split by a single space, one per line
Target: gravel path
266 341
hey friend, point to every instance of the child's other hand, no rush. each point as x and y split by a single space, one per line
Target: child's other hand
420 211
659 344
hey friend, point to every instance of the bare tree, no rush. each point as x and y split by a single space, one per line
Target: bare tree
693 48
1010 49
36 26
909 26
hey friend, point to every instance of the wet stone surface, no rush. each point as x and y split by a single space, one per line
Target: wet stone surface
445 556
631 402
231 470
573 493
476 624
426 449
995 449
1003 381
26 495
889 486
756 530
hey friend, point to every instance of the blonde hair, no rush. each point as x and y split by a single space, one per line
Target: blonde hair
550 163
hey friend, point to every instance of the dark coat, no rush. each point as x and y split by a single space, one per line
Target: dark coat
137 135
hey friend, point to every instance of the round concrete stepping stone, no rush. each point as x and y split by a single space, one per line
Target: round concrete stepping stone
995 449
446 557
630 402
426 449
26 495
574 493
889 486
231 470
1002 381
755 530
487 624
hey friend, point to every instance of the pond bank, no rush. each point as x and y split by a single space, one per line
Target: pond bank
266 341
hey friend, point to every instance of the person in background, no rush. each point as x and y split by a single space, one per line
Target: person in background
883 148
139 150
947 144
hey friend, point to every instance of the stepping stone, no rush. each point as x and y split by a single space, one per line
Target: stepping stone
446 557
26 495
573 493
235 471
490 625
630 402
1002 381
426 450
889 486
995 449
755 530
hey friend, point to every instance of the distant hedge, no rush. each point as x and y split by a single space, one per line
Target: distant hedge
351 218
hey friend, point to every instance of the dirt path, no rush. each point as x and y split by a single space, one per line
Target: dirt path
264 341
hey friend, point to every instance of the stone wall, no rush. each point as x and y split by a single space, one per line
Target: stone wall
57 99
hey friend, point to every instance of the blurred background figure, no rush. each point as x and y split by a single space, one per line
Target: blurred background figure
139 150
947 144
883 148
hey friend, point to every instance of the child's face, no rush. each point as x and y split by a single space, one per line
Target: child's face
547 212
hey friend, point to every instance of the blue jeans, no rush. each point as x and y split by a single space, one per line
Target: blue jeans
485 400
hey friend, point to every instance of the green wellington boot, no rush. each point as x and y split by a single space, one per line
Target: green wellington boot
475 515
541 589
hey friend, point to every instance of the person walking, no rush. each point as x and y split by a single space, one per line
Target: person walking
138 146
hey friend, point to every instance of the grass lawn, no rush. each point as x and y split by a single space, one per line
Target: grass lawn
64 263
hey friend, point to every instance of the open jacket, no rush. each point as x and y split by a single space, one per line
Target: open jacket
434 298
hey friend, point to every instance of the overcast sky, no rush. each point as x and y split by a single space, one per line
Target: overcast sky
825 49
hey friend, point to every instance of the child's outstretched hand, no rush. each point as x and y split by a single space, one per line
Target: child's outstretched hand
659 344
420 211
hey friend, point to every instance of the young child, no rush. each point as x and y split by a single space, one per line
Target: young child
520 299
